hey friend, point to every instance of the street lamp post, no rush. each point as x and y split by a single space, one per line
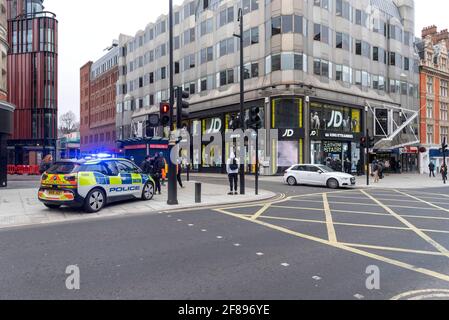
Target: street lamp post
172 186
242 96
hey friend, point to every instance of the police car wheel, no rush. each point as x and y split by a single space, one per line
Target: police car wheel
148 192
95 201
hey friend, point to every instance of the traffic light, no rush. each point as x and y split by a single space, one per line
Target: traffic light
372 142
182 106
235 122
254 121
363 142
164 113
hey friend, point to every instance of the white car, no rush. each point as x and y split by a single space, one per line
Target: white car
319 175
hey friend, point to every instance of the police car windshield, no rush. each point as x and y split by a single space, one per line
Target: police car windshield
63 168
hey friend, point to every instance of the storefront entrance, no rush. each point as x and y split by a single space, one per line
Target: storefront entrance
335 154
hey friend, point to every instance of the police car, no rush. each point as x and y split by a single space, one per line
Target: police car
92 184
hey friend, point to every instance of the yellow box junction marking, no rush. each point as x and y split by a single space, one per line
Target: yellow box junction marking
329 222
420 233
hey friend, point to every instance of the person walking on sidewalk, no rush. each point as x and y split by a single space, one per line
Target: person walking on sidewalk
376 169
444 173
46 163
432 169
157 173
232 168
179 173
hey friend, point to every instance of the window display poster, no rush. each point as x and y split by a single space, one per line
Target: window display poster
287 153
335 118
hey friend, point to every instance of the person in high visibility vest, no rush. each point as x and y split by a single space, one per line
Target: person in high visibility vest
164 166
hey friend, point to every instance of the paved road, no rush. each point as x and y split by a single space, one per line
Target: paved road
313 244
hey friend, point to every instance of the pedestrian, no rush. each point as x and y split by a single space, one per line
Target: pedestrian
146 166
444 172
432 169
156 173
232 168
376 171
381 165
348 166
46 163
164 168
359 168
179 173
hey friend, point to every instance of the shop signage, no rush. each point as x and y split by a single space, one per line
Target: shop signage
291 133
332 147
411 150
339 135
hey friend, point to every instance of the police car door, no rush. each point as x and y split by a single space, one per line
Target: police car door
131 178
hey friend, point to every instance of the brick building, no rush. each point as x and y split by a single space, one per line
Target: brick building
97 104
434 100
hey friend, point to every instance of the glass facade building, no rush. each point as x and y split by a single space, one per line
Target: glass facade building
341 66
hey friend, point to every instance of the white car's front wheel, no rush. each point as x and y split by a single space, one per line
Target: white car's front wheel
333 184
292 181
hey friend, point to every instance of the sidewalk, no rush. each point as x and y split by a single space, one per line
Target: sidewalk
22 207
403 181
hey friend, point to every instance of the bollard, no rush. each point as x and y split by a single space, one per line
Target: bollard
198 192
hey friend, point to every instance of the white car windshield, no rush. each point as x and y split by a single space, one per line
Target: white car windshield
326 169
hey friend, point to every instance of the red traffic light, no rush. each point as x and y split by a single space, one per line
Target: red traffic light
165 108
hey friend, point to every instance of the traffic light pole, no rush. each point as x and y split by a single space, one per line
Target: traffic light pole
257 163
172 184
367 156
242 99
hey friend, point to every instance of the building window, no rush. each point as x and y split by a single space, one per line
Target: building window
429 134
429 85
444 134
444 111
443 88
429 106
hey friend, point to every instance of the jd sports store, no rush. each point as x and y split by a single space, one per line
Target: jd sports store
335 135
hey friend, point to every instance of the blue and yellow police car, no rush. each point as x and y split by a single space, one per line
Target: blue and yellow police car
93 184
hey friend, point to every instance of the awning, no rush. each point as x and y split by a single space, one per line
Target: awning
397 138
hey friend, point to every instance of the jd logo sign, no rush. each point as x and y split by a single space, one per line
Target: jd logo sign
336 120
215 126
288 133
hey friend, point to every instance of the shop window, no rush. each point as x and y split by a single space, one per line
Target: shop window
287 113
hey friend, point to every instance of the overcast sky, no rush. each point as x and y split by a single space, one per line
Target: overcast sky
87 27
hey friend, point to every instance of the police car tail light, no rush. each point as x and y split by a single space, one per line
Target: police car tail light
70 178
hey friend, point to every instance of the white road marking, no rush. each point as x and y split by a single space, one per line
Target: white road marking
285 264
179 220
422 294
236 244
191 225
203 230
260 254
359 296
219 237
316 278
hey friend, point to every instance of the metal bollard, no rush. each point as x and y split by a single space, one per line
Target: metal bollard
198 192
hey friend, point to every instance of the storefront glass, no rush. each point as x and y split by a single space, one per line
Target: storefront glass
335 133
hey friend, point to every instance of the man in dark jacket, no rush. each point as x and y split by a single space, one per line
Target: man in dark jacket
432 170
157 172
146 166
